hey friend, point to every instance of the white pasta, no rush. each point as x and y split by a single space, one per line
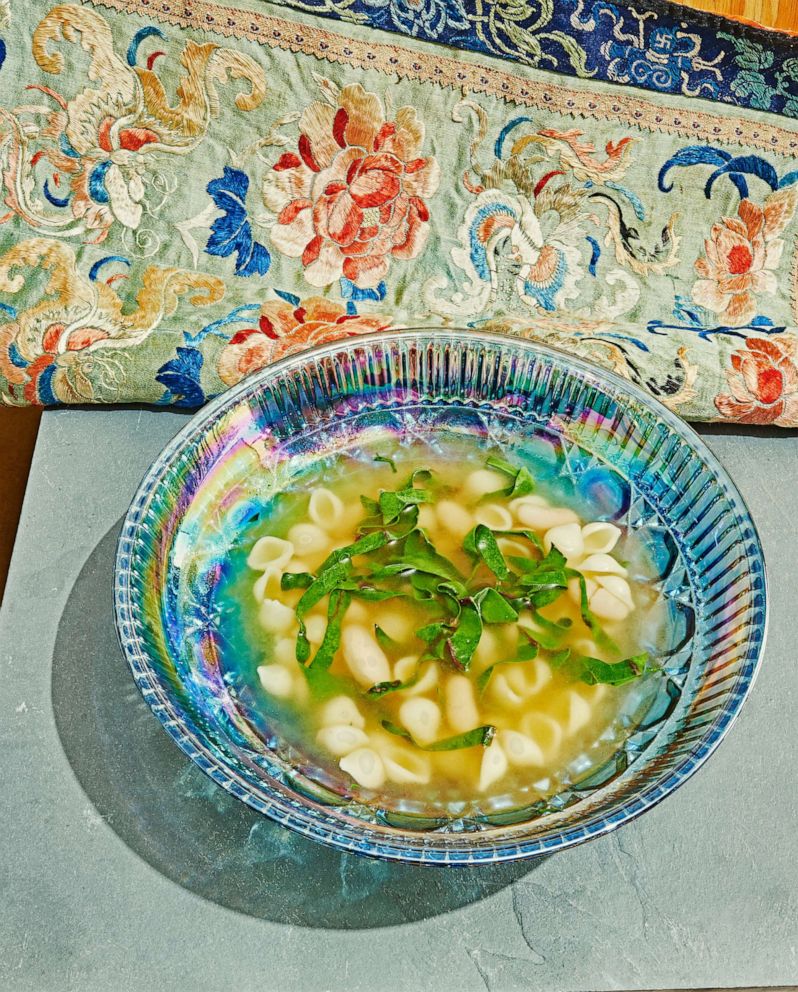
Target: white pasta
404 669
365 766
454 519
613 599
396 625
422 718
520 749
572 711
358 612
308 539
267 585
342 709
427 519
341 738
487 651
315 626
275 616
493 766
601 564
461 705
538 675
325 509
404 766
276 680
483 481
284 652
494 516
503 693
545 731
566 538
600 537
270 552
510 548
534 512
365 658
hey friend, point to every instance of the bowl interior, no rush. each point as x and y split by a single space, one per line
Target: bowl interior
612 454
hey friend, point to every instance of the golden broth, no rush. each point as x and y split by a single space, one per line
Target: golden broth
547 722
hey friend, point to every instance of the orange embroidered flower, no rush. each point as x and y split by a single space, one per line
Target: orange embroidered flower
353 195
763 381
740 256
284 329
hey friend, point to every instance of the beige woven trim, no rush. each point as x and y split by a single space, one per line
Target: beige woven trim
439 69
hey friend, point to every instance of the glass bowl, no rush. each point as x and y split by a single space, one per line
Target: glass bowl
625 456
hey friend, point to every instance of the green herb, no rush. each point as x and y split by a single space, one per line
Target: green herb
594 671
605 642
526 652
431 632
384 640
295 580
363 546
381 688
322 586
493 607
463 642
388 461
549 633
530 535
336 608
481 543
522 483
479 736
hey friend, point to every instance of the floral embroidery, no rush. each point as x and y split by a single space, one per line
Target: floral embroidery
54 351
353 195
232 232
286 327
741 255
102 144
530 249
763 381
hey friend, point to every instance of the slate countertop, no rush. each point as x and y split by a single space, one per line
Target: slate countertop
124 867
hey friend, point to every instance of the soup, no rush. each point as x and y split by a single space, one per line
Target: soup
438 629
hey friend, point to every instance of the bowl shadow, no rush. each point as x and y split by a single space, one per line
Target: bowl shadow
189 829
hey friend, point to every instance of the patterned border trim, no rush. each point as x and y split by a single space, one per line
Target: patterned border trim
275 32
660 47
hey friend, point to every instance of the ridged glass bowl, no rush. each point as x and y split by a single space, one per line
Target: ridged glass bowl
625 457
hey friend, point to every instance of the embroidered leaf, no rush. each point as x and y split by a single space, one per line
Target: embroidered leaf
232 232
181 379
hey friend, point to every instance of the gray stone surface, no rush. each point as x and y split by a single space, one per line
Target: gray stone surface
123 867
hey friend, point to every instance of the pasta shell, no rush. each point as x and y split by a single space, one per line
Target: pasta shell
342 709
461 705
341 739
275 616
520 749
422 718
325 509
566 538
270 552
365 766
493 766
276 680
308 539
365 658
600 537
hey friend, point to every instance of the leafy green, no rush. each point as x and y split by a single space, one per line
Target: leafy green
463 642
384 640
530 535
493 607
548 633
594 671
481 543
320 587
527 652
388 461
479 736
336 608
295 580
522 483
605 642
363 546
381 688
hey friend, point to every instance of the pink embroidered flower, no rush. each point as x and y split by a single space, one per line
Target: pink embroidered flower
284 329
763 381
353 195
741 254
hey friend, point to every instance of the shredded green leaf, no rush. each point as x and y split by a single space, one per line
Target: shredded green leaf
295 580
388 461
384 640
481 543
479 736
493 607
526 652
463 642
336 608
522 483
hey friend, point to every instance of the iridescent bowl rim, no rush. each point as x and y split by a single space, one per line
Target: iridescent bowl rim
390 847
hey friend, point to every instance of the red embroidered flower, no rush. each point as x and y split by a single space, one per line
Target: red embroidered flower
763 381
741 254
284 329
353 196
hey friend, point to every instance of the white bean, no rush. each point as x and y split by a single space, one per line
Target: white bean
493 766
270 552
365 658
341 739
422 718
276 680
365 766
342 709
461 705
275 616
